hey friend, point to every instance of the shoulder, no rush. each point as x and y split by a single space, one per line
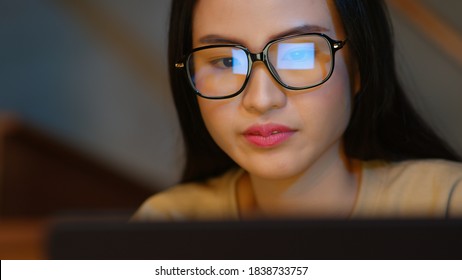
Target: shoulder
439 174
211 199
430 188
435 171
434 166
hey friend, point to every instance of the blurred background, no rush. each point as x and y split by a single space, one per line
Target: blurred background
86 117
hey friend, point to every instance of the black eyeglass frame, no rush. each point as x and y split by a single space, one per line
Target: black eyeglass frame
335 45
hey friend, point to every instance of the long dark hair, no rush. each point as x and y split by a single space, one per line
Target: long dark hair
383 125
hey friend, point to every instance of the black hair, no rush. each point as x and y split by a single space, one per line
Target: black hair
383 125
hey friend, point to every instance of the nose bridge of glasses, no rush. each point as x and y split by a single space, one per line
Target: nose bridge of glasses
256 57
261 57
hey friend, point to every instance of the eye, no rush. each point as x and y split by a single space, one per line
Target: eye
296 56
234 60
225 62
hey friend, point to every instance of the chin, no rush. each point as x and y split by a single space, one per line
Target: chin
274 172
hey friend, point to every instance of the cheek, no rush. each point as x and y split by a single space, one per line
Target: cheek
339 107
340 92
327 110
218 116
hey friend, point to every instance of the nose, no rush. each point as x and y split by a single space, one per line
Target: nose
262 93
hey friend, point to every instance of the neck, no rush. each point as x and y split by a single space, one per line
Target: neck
326 189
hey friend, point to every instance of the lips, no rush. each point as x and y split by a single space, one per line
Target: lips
268 135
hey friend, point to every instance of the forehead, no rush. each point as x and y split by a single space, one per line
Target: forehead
255 22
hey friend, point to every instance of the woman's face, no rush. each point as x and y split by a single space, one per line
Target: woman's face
272 132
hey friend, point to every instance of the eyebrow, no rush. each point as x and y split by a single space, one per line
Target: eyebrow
306 28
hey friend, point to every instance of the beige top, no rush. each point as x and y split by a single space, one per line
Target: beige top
418 188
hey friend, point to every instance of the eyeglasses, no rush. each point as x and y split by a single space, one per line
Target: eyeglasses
296 62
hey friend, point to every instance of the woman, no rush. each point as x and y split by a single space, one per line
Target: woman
293 110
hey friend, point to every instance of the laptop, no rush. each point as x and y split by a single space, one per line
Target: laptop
283 239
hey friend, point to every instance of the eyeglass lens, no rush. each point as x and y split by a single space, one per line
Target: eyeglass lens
298 62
